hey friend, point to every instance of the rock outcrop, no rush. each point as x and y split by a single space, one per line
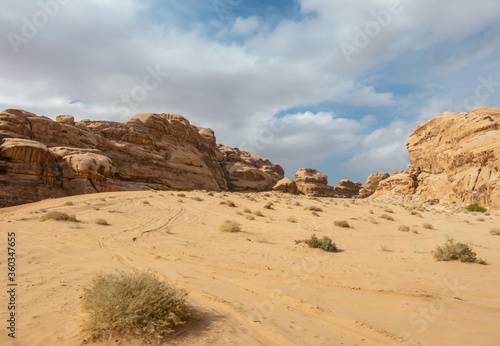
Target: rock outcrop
372 184
286 185
453 157
346 189
312 183
247 172
42 158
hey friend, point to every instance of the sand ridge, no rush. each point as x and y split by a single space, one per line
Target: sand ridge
257 287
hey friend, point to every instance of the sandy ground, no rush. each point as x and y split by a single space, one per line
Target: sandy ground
257 287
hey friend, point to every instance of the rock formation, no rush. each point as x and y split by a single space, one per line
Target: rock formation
286 185
42 158
346 189
371 184
453 157
312 183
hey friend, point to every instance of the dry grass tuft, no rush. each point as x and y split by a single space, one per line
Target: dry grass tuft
324 243
102 222
342 223
137 305
386 217
495 231
58 216
230 226
454 251
404 228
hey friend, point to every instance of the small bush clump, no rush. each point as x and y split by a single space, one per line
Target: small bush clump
404 228
198 199
495 231
476 208
69 203
136 305
386 217
427 226
314 208
250 217
258 213
389 210
432 201
102 222
269 205
324 243
230 226
247 210
59 216
342 223
454 251
183 195
231 204
291 219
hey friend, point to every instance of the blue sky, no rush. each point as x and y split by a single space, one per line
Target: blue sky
332 85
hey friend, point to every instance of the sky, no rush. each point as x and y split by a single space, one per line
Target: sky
335 85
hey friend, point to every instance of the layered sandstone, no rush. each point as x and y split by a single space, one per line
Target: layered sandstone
453 157
371 184
346 189
286 185
312 183
42 158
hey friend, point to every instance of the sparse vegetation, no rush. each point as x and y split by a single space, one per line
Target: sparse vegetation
269 205
102 222
136 305
69 203
372 220
315 214
404 228
183 195
59 216
298 204
314 208
247 210
258 213
291 219
324 243
432 201
476 208
231 204
145 202
427 226
342 223
250 217
198 199
495 231
210 194
389 210
454 251
230 226
386 217
383 247
480 219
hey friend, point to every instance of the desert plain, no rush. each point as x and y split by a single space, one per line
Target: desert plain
257 286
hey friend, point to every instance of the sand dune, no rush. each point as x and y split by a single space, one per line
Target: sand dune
257 287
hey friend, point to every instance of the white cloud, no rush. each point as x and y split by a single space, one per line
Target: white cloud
246 26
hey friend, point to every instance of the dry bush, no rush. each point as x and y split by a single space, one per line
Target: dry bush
315 214
250 217
404 228
313 208
181 195
324 243
230 226
388 210
386 217
342 223
427 226
247 210
291 219
372 220
137 305
69 203
58 216
495 231
269 205
258 213
454 251
231 204
198 199
102 222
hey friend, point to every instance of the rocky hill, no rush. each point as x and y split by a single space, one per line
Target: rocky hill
454 157
41 158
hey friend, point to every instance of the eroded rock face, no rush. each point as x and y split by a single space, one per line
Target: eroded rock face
286 185
312 183
346 189
247 172
42 158
453 157
372 184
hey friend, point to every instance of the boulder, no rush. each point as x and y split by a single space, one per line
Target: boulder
372 184
312 183
346 189
286 185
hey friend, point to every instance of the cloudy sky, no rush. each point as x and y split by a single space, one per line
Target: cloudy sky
335 85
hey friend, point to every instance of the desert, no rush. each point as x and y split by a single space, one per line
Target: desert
257 286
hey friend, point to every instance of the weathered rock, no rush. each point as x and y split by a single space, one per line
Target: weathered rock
346 189
453 157
286 185
312 183
247 172
372 184
41 158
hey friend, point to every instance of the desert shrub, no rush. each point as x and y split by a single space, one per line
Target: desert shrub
58 216
69 203
269 205
267 195
372 220
386 217
342 223
427 226
198 199
247 210
432 201
404 228
315 214
136 305
250 217
239 213
230 226
476 208
371 211
181 195
145 202
324 243
417 214
314 208
454 251
495 231
291 219
102 222
231 204
298 204
180 200
258 213
210 194
383 247
389 210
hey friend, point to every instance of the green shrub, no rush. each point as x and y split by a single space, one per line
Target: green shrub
134 305
230 226
453 251
324 243
476 208
432 201
342 223
59 216
387 217
404 228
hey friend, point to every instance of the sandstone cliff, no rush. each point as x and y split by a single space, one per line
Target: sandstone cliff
312 183
453 157
41 158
